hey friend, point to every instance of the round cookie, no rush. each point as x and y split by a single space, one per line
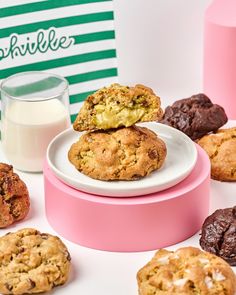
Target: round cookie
195 116
218 234
32 262
14 196
118 154
221 149
186 271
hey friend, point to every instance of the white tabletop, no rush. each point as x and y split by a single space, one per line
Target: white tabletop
101 272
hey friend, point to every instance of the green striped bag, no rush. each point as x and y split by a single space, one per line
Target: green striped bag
71 38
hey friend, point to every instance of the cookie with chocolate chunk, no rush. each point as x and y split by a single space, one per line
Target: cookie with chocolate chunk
218 234
221 149
32 262
116 106
14 196
195 116
187 270
118 154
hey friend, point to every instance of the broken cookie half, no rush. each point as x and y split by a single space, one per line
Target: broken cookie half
118 106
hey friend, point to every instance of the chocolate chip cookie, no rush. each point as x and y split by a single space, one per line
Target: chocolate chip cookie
218 234
14 196
32 262
118 154
195 116
221 149
186 271
116 106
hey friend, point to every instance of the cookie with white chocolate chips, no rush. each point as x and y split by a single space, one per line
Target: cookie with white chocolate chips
186 271
32 262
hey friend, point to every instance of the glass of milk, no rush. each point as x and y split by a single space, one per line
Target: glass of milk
35 108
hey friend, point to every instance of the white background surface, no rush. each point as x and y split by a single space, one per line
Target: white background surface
159 44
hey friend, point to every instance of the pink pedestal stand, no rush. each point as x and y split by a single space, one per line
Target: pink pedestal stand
220 54
130 224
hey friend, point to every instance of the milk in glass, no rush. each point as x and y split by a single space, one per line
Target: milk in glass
27 129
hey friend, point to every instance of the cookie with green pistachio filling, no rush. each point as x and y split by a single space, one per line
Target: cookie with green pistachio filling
118 106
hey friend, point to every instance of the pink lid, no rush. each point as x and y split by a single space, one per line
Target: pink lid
219 71
222 12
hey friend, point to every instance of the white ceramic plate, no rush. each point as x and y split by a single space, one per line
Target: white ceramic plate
180 160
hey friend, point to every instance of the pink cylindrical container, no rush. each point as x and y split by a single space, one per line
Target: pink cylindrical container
134 223
220 54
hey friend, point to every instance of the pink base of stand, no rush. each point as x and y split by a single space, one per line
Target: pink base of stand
130 224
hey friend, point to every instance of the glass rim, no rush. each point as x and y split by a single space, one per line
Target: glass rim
35 100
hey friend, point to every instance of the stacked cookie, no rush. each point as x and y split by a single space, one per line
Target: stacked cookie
113 147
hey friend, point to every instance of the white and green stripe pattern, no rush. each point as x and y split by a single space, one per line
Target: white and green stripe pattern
88 64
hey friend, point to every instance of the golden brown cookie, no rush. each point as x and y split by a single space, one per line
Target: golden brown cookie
116 106
221 149
118 154
32 262
187 271
14 196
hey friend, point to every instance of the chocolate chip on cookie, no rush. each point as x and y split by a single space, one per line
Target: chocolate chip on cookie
29 263
218 234
195 116
186 271
14 196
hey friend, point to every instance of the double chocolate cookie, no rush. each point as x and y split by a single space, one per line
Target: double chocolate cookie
195 116
32 262
116 106
218 234
118 154
186 271
14 196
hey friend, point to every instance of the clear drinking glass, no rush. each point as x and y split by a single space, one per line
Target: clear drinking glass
35 108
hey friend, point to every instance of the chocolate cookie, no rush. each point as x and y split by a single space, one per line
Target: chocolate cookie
116 106
195 116
118 154
14 196
221 149
32 262
218 234
186 271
